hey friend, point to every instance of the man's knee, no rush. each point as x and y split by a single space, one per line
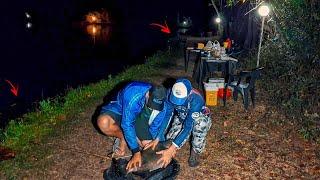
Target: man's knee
202 125
105 123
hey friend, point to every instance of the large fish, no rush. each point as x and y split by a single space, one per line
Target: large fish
149 165
150 158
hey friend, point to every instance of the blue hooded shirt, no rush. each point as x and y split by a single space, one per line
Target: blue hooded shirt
130 102
186 113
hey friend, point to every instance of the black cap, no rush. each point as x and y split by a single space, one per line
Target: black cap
157 96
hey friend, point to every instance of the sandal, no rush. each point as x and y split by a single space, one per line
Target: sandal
116 151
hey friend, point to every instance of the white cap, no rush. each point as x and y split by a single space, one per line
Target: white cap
179 93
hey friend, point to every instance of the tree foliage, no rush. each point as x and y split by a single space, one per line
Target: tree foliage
291 53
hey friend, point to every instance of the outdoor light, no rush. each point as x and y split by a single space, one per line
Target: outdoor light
263 11
218 20
94 30
27 15
29 25
93 18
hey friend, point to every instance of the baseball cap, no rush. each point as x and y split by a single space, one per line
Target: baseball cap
157 96
180 91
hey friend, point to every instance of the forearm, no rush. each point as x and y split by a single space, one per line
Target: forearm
133 146
131 139
164 125
173 147
180 140
184 135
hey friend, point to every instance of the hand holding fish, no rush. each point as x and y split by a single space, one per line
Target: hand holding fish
153 144
167 156
135 162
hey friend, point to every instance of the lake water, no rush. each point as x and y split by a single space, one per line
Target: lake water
46 59
54 50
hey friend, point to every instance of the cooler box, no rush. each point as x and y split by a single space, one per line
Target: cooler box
220 84
211 93
218 81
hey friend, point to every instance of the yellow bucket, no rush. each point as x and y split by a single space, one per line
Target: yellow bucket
200 45
211 90
225 45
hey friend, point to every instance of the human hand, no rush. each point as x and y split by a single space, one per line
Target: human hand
145 142
153 144
167 156
134 162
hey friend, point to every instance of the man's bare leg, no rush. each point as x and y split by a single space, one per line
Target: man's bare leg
109 127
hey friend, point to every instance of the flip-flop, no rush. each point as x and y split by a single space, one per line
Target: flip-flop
116 152
116 145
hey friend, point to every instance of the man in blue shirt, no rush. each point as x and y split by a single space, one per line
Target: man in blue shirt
190 116
134 118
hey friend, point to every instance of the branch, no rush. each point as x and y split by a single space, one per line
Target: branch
215 7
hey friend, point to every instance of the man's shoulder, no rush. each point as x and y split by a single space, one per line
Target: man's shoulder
195 93
138 84
196 97
135 91
136 87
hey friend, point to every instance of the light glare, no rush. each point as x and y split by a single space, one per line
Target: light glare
93 18
263 10
94 30
218 20
28 25
27 15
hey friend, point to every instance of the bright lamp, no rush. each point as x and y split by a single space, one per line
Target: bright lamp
264 10
218 20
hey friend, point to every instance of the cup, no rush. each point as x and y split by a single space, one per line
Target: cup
223 51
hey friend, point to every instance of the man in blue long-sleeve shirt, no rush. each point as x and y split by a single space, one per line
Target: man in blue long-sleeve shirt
134 118
190 116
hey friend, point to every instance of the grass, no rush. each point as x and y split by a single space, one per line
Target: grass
22 134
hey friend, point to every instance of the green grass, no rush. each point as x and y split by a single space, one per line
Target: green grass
21 134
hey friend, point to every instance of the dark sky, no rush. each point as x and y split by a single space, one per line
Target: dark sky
62 12
53 55
134 16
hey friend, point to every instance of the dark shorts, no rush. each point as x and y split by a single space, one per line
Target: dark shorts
116 117
141 127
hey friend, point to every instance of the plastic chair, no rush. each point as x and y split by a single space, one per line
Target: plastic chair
243 83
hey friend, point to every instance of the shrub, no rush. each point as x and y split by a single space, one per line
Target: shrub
290 54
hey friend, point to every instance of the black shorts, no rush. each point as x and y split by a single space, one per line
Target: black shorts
141 127
116 117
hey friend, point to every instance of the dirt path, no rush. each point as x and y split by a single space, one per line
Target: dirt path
240 145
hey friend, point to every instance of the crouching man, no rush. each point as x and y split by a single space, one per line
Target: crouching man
134 118
190 117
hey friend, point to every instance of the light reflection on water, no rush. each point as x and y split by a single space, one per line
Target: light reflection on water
56 54
97 26
99 33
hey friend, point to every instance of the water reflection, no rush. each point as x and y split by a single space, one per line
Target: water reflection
98 26
99 33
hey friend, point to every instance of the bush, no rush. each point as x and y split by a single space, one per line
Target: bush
290 54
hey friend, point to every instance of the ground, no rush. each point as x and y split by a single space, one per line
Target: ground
253 144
